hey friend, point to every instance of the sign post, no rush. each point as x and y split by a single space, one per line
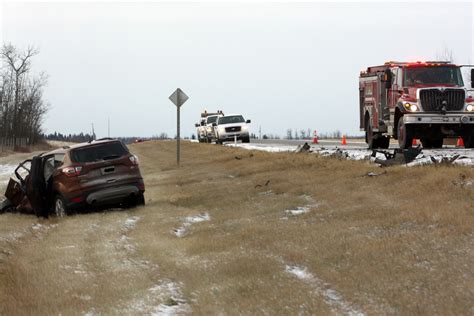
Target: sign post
178 98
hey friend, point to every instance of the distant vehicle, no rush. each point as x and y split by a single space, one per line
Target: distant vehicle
201 130
231 127
424 100
205 129
97 173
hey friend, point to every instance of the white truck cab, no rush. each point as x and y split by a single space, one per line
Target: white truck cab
231 127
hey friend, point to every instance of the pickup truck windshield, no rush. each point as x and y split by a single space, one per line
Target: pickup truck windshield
231 119
432 75
211 119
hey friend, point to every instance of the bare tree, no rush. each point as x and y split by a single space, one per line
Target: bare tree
21 97
446 54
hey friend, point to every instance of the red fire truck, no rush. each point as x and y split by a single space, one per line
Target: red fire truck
423 100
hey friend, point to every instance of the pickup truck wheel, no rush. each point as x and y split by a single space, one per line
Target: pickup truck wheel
405 134
59 206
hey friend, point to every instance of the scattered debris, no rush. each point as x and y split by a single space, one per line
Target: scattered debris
260 185
305 148
373 174
398 157
238 157
462 181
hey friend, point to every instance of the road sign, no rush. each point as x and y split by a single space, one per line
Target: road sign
178 97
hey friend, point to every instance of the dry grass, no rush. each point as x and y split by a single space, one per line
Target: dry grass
399 243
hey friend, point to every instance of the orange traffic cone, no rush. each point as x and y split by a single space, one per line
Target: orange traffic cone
315 138
460 142
414 143
344 142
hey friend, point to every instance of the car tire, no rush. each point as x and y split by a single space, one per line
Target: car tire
5 206
59 207
141 200
246 140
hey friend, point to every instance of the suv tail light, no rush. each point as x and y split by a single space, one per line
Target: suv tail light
72 171
134 160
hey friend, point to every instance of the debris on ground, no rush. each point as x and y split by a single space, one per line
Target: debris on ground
374 174
398 157
260 185
305 148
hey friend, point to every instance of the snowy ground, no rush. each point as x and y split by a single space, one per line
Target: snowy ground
428 156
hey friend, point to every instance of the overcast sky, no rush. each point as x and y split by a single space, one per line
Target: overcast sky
282 65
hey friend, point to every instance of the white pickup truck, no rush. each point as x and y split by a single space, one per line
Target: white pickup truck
205 130
231 127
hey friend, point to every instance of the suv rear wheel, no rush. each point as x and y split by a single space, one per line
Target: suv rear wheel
59 206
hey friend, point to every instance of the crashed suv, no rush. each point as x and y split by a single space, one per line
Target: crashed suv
79 177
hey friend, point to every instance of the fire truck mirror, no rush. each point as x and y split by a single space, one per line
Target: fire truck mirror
387 78
472 78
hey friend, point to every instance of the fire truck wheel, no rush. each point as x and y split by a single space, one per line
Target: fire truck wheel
405 134
369 137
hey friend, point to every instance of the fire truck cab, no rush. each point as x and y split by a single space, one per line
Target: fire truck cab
423 100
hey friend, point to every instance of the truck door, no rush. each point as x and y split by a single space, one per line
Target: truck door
383 99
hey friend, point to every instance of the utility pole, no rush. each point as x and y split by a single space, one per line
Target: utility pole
260 132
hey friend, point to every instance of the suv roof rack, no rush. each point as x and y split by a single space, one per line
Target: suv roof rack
104 138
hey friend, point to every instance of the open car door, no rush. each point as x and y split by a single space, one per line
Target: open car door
36 187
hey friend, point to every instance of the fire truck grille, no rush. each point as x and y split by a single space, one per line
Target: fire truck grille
232 129
434 100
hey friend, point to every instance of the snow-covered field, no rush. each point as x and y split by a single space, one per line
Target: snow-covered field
428 156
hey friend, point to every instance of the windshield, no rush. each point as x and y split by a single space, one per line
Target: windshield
211 119
433 75
99 152
231 119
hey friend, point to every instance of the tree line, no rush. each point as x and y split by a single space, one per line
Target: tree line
22 108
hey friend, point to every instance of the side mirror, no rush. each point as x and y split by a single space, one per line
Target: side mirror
196 125
249 121
214 124
472 78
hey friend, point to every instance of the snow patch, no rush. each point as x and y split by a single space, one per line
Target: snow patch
188 221
130 222
165 298
427 156
298 211
334 299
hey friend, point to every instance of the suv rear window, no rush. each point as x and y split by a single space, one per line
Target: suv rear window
99 152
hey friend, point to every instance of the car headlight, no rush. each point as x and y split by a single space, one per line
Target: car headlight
209 129
412 107
245 128
221 129
470 107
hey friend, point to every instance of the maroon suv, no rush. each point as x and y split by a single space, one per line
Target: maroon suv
82 176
